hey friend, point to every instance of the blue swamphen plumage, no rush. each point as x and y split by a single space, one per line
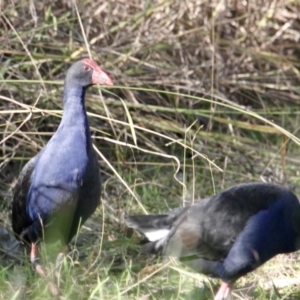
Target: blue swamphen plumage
229 234
59 188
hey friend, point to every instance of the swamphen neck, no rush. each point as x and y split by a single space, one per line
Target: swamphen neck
79 77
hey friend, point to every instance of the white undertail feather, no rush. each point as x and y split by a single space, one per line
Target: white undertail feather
155 234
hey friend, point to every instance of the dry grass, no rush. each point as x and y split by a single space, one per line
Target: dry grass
203 83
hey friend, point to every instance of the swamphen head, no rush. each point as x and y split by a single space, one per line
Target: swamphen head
229 234
85 73
60 187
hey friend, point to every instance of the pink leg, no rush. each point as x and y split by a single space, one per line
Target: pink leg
40 270
224 291
59 260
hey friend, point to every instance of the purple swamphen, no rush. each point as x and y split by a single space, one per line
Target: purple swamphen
226 235
59 188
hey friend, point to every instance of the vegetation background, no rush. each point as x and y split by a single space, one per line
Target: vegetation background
206 96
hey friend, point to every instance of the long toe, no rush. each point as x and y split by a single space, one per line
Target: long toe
54 290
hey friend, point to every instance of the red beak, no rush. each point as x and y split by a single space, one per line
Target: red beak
99 76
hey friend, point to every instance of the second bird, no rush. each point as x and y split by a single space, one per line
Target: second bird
229 234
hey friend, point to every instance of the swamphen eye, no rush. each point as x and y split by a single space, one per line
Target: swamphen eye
86 68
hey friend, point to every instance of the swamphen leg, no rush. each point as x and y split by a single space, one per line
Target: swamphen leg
40 270
59 260
224 291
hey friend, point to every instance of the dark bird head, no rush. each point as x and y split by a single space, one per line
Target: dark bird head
85 73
